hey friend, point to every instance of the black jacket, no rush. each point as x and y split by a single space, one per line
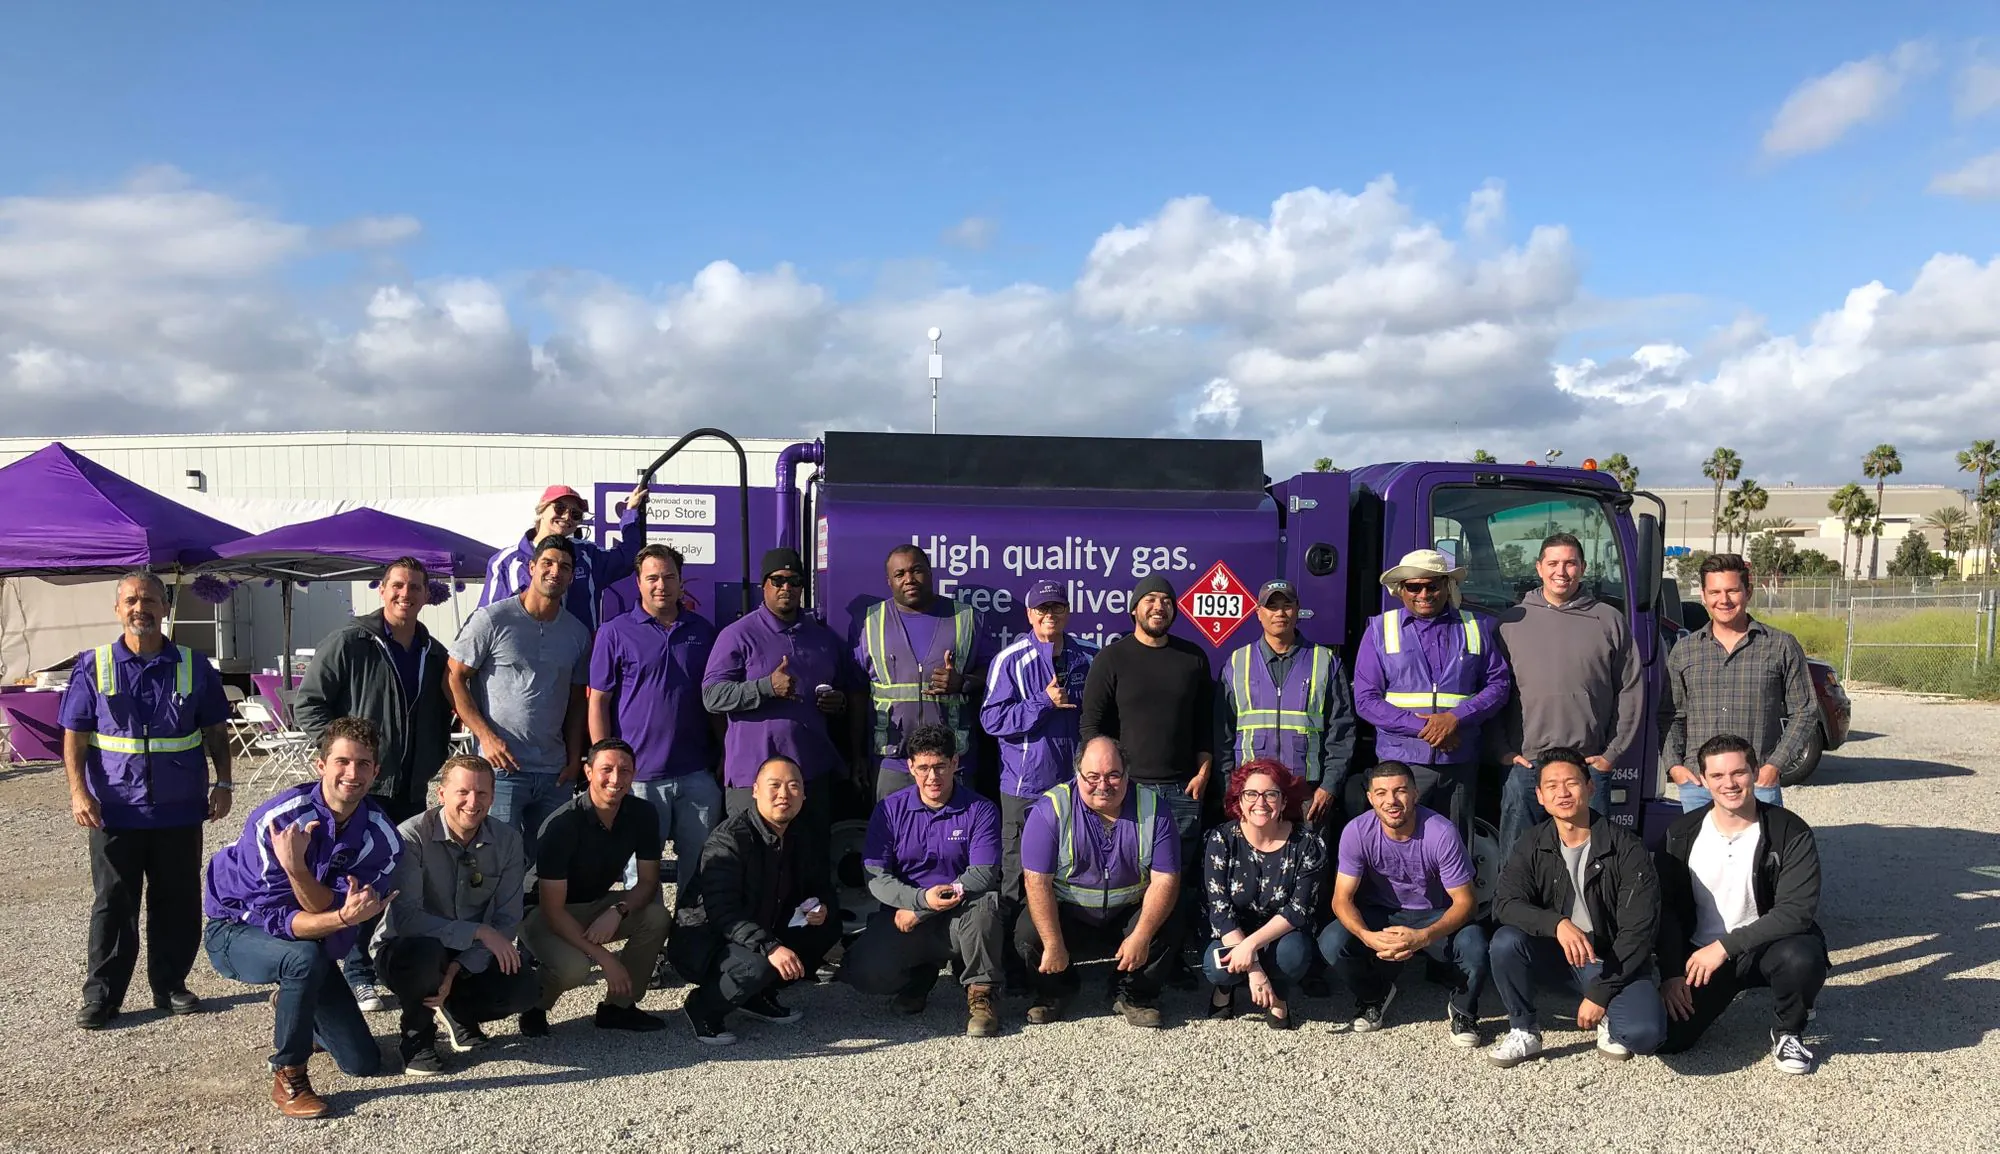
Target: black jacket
1620 890
1786 884
739 866
352 675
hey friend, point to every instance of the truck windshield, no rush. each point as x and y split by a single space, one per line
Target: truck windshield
1496 533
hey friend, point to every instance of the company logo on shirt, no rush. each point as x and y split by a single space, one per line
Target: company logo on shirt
958 835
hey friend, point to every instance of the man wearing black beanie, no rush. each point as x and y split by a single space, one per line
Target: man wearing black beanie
1154 692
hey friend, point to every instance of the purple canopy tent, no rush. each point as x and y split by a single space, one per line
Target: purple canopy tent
67 515
348 546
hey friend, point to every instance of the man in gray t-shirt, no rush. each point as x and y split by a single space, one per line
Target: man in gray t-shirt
517 674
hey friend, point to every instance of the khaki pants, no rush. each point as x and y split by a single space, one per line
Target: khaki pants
564 967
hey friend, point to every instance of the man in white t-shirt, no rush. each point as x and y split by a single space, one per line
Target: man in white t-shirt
1739 886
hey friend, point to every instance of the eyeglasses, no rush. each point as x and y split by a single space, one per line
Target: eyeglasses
1094 780
466 860
1419 588
567 512
1270 797
931 768
786 582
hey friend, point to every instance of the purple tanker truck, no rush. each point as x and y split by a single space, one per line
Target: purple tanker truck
998 513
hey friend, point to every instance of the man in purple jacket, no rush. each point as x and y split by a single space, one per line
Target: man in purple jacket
287 899
1427 676
778 675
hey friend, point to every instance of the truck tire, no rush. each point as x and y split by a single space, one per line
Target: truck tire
1802 767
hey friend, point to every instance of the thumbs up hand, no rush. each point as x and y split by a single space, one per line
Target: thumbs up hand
1056 695
945 679
782 682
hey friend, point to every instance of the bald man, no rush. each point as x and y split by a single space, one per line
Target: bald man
760 912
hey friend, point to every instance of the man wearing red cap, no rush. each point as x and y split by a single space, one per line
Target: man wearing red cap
560 513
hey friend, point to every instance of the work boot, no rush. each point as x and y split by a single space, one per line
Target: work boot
980 1019
915 994
292 1093
1046 1008
1142 1016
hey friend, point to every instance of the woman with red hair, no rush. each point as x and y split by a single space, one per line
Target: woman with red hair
1261 872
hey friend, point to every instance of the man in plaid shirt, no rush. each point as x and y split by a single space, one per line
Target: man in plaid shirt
1736 675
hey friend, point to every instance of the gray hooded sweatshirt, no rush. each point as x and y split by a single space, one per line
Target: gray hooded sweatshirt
1577 679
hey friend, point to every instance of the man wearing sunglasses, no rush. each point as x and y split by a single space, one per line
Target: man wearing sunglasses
562 512
446 946
779 675
1427 677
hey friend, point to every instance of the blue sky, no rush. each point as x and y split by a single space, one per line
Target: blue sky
642 142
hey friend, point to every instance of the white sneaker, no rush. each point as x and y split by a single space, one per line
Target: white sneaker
1517 1047
371 998
1607 1047
1790 1055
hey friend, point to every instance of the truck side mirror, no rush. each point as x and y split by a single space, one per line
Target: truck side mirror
1651 559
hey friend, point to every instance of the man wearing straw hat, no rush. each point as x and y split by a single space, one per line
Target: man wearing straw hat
1427 677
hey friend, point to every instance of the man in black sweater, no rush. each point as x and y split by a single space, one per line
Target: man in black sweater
1739 889
1155 694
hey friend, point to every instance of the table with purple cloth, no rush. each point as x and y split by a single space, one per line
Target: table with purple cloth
34 717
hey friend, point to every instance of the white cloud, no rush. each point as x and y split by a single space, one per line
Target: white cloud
1334 324
1978 90
1822 110
1977 179
974 232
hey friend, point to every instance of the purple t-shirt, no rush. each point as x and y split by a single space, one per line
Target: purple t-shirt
1404 875
927 847
653 674
1109 857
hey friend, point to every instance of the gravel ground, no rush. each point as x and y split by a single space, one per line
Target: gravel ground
1909 820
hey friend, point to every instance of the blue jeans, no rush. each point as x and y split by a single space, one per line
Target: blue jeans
314 1003
1521 811
689 807
1285 961
524 800
1369 977
1187 823
1636 1018
1693 797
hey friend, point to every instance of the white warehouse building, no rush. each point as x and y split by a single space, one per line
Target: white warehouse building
482 485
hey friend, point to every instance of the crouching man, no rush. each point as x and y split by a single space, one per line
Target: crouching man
758 914
1740 882
933 861
1100 861
287 899
1578 902
585 847
446 946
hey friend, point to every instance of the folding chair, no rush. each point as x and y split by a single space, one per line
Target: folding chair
285 751
243 732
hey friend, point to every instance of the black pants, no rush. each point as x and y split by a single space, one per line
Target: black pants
728 975
413 968
1793 967
1087 940
164 867
359 965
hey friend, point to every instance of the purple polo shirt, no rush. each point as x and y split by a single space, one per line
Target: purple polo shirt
247 884
1404 875
653 673
1111 856
409 662
152 790
932 847
749 649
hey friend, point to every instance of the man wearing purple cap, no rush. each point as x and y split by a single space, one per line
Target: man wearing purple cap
1033 691
561 513
287 899
778 675
933 861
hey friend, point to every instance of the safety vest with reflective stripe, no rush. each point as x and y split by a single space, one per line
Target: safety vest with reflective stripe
1264 726
1071 857
145 741
902 699
1435 697
1409 682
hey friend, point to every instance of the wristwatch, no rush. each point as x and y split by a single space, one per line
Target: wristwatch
223 785
620 907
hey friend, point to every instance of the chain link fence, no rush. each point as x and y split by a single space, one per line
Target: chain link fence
1923 636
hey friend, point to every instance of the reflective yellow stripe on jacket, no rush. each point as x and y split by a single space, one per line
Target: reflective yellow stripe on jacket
1392 642
890 693
1307 719
1100 897
107 686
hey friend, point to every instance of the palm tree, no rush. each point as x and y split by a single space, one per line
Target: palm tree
1323 465
1750 497
1950 523
1722 467
1881 463
1623 471
1482 457
1842 505
1983 459
1863 521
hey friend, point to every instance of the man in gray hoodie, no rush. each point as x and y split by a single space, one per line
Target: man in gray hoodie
1577 683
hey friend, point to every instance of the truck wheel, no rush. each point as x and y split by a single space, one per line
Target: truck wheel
1803 766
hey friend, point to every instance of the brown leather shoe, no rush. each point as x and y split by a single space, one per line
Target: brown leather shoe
292 1093
980 1019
